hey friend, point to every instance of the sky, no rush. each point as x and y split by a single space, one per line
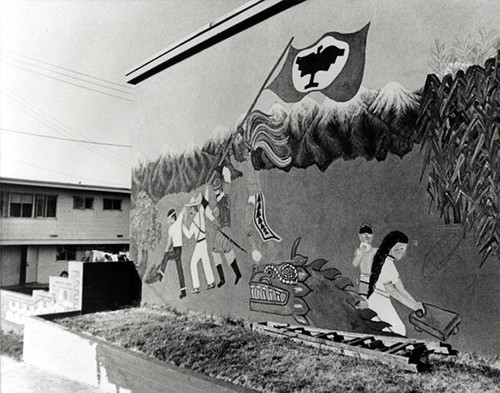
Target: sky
63 66
184 104
62 75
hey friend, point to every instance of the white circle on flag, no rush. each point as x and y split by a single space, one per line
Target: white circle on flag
315 68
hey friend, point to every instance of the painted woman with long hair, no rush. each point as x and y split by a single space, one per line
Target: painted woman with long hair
385 282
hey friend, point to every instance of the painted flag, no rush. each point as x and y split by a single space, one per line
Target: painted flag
333 65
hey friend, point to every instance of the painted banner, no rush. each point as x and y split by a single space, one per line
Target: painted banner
259 218
333 65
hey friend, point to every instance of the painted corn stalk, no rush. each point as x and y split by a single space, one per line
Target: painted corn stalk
459 123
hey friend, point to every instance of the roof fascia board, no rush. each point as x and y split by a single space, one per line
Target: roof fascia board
56 242
65 186
230 24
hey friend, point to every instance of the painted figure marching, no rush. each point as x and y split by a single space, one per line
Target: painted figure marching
220 216
200 253
173 252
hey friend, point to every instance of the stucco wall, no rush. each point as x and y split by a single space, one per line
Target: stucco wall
48 265
185 104
10 258
94 225
326 210
107 366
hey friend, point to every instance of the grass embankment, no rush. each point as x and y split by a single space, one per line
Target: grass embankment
224 349
11 345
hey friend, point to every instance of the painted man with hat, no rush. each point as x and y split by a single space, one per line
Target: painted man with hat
173 252
200 253
221 216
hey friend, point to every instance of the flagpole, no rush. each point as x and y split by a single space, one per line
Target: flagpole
212 169
267 79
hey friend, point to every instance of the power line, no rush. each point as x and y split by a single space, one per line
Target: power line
67 69
63 139
69 83
57 125
46 119
66 75
58 172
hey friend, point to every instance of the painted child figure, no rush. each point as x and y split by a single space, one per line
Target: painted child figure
220 215
363 258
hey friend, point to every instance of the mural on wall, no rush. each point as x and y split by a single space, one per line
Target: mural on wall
385 283
173 252
145 230
220 217
312 294
454 122
333 65
258 202
363 258
197 229
460 129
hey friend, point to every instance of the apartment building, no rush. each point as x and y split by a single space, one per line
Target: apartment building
45 224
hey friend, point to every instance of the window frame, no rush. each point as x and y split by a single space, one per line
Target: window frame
42 205
46 207
112 204
85 203
23 205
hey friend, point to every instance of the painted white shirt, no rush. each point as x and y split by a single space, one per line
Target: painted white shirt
197 225
388 274
175 232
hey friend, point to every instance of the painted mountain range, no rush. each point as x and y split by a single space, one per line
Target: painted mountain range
372 125
455 120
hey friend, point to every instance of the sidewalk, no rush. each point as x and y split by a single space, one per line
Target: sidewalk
19 377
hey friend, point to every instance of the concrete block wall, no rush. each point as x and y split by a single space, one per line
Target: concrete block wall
52 347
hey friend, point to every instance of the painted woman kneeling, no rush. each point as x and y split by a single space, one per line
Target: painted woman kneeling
385 282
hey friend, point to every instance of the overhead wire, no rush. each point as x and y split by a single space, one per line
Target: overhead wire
62 139
57 126
70 83
66 69
41 116
68 75
54 126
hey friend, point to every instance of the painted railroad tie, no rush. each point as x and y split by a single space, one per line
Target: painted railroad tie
408 354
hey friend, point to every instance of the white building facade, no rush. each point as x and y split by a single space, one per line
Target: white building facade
44 224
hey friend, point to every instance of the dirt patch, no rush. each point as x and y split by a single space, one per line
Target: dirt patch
225 349
11 345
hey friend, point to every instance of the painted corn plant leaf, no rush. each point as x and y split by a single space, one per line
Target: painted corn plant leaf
459 124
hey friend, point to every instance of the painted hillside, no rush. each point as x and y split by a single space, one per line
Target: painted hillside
455 120
372 125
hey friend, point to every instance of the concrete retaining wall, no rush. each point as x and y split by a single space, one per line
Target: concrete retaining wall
54 348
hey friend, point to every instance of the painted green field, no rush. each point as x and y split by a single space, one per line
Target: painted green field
225 349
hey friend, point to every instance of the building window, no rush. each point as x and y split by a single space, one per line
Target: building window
4 204
21 205
14 204
112 204
45 205
83 203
